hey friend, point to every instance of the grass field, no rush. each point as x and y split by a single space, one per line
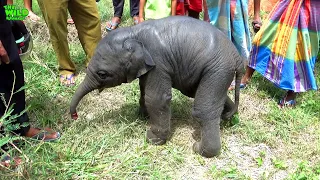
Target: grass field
108 139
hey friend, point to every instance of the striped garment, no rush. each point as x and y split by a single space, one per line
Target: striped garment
231 17
286 47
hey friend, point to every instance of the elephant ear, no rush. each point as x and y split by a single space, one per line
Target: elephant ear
140 60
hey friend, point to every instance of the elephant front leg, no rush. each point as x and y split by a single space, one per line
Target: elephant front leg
158 106
142 109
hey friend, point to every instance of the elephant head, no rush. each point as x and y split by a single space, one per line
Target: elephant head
119 58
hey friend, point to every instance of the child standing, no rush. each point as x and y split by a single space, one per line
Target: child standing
156 9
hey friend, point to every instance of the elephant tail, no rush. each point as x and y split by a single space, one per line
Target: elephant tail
239 73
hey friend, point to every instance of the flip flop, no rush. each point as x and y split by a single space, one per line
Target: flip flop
41 136
65 78
6 162
70 21
135 20
69 78
283 103
113 24
255 27
233 86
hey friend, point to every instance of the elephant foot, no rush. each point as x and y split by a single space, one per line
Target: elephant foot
208 152
154 139
224 115
143 113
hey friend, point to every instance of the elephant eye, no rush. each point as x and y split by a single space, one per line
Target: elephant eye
104 74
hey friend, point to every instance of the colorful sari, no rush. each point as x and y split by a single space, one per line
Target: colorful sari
231 17
286 47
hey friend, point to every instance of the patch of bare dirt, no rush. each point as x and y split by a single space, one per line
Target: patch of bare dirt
95 103
40 30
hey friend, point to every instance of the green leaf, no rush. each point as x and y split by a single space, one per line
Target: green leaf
4 140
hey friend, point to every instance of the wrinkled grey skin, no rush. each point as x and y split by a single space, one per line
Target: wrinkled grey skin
180 52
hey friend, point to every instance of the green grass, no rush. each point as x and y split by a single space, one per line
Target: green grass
108 139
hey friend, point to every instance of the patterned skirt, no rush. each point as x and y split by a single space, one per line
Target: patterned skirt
285 49
231 17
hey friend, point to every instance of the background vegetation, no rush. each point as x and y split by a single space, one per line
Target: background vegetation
108 140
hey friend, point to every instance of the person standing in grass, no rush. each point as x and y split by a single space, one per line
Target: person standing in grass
11 91
231 17
156 9
286 48
28 5
118 11
87 21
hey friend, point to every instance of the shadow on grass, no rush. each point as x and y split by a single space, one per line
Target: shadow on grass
180 116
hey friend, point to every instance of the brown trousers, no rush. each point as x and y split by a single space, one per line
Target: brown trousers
87 21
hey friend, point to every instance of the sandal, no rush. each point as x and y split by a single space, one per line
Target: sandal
136 20
70 21
256 25
66 80
233 86
114 25
283 103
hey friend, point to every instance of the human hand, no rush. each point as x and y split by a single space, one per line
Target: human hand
4 58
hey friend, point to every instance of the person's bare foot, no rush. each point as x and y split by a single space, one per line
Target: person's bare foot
33 17
48 136
113 24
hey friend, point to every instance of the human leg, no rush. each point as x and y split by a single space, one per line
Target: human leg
245 79
118 10
86 17
256 23
288 100
194 9
12 78
9 1
31 15
205 11
134 10
55 15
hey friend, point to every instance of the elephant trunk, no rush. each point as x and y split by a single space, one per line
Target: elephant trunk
84 88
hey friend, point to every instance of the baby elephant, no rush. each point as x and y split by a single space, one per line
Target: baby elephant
180 52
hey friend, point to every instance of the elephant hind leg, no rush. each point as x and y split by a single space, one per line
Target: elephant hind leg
228 107
208 106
